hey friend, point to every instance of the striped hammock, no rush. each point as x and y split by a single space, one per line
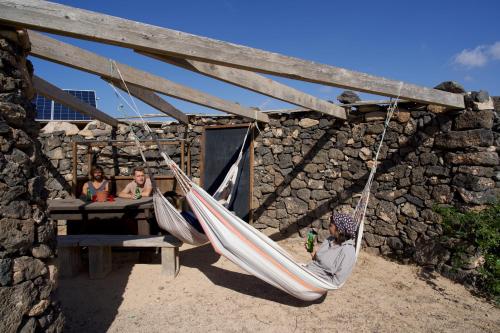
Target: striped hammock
240 242
248 248
253 251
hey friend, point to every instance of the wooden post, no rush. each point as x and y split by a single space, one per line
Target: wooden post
74 169
182 157
170 261
69 260
99 261
89 160
251 161
189 160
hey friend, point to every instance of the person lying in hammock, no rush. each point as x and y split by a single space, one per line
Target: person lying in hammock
186 213
191 219
334 260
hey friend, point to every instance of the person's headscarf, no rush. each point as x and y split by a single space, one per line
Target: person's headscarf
344 223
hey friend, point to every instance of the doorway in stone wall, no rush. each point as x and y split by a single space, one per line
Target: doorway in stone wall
220 146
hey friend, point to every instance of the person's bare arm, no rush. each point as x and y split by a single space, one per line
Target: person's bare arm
84 189
146 191
125 193
106 188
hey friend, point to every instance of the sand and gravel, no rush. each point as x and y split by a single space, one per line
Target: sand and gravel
211 294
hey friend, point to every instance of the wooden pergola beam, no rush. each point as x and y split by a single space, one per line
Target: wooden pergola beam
254 82
152 99
70 21
56 51
50 91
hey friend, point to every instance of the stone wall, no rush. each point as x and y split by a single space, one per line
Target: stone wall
57 142
307 164
27 273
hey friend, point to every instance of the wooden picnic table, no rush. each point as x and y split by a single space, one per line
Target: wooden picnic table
73 209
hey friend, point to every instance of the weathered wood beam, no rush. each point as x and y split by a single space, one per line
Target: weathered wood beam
70 21
50 91
152 99
254 82
372 102
53 50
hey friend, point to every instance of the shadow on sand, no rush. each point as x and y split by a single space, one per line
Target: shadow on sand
92 305
203 258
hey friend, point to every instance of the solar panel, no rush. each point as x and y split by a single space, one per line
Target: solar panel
43 108
46 109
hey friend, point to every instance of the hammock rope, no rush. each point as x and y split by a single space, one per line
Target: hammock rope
250 249
362 205
227 187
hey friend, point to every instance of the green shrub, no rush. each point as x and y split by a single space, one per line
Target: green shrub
480 230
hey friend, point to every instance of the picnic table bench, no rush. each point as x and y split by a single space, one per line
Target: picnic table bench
80 212
99 247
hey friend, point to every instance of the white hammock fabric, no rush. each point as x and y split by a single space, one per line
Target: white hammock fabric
171 220
246 246
253 251
228 186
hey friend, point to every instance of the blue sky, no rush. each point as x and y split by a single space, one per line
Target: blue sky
421 42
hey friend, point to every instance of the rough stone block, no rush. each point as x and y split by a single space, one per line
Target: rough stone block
486 105
14 303
442 194
307 122
473 183
479 198
464 139
17 235
27 268
472 119
487 158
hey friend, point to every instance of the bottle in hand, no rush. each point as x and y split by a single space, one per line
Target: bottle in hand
138 193
311 235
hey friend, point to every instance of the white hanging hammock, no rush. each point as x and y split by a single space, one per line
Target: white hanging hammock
246 246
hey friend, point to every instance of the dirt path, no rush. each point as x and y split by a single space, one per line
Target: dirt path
210 294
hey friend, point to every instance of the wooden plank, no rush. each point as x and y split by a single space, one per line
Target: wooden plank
255 82
95 215
69 260
143 227
53 50
68 240
99 261
70 21
370 102
129 241
152 99
75 204
170 262
89 162
50 91
74 172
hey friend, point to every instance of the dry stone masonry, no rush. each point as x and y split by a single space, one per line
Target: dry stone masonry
27 242
307 165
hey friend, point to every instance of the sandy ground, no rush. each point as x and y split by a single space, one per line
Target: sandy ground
211 294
